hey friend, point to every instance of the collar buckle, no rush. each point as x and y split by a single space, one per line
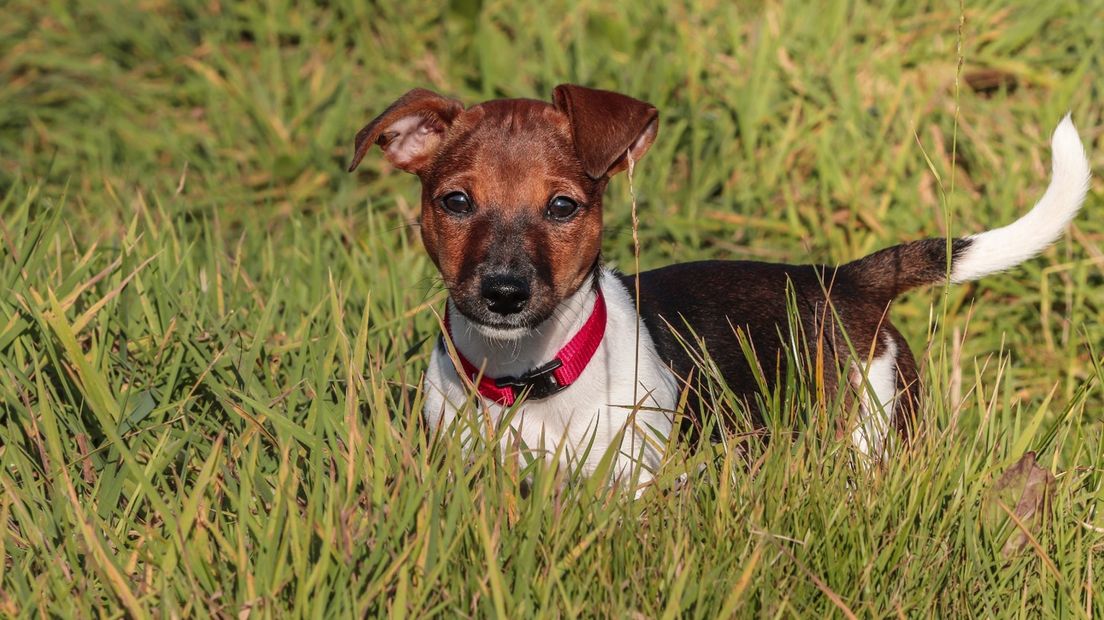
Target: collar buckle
540 382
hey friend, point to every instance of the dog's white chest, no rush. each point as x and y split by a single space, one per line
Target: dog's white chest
616 400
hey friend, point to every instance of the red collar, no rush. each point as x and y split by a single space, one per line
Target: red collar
546 380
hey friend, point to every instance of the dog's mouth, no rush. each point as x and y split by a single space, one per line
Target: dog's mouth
497 326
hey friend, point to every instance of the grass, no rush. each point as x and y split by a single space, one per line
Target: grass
212 339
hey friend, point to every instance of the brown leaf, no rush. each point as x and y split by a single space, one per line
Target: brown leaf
987 81
1027 491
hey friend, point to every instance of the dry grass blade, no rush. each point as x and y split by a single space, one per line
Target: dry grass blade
823 587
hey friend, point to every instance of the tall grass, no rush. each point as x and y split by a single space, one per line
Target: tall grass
212 340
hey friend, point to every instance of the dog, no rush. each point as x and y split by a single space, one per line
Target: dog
552 342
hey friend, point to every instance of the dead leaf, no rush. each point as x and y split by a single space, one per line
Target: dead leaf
987 80
1027 491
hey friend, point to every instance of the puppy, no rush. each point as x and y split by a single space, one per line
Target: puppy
552 342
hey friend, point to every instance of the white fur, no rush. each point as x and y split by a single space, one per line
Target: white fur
1003 248
877 386
593 410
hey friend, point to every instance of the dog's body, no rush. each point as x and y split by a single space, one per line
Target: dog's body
511 216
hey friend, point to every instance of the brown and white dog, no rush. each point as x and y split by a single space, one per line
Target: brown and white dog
552 341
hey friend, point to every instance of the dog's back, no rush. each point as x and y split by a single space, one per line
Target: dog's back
842 313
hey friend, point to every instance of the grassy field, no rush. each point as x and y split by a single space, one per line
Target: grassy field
212 338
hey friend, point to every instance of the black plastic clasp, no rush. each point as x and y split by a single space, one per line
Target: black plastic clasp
541 382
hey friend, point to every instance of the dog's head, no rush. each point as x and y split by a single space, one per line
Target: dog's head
512 191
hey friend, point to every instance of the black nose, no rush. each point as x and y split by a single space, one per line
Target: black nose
504 294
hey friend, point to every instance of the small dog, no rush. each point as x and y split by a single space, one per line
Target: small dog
552 341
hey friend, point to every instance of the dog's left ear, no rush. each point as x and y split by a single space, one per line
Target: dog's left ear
607 127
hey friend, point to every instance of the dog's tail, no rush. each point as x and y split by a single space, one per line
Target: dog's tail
887 273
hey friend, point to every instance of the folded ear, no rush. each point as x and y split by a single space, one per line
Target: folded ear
607 127
410 130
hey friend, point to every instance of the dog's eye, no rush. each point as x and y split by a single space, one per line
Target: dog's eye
562 208
457 202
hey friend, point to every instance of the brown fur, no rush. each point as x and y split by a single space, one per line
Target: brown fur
507 231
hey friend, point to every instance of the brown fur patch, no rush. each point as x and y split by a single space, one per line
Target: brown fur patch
887 273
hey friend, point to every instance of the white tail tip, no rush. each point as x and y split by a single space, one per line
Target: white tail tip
1004 248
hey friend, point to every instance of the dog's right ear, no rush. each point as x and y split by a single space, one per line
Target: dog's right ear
409 130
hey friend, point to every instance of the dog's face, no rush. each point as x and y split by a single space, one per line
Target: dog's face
512 191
